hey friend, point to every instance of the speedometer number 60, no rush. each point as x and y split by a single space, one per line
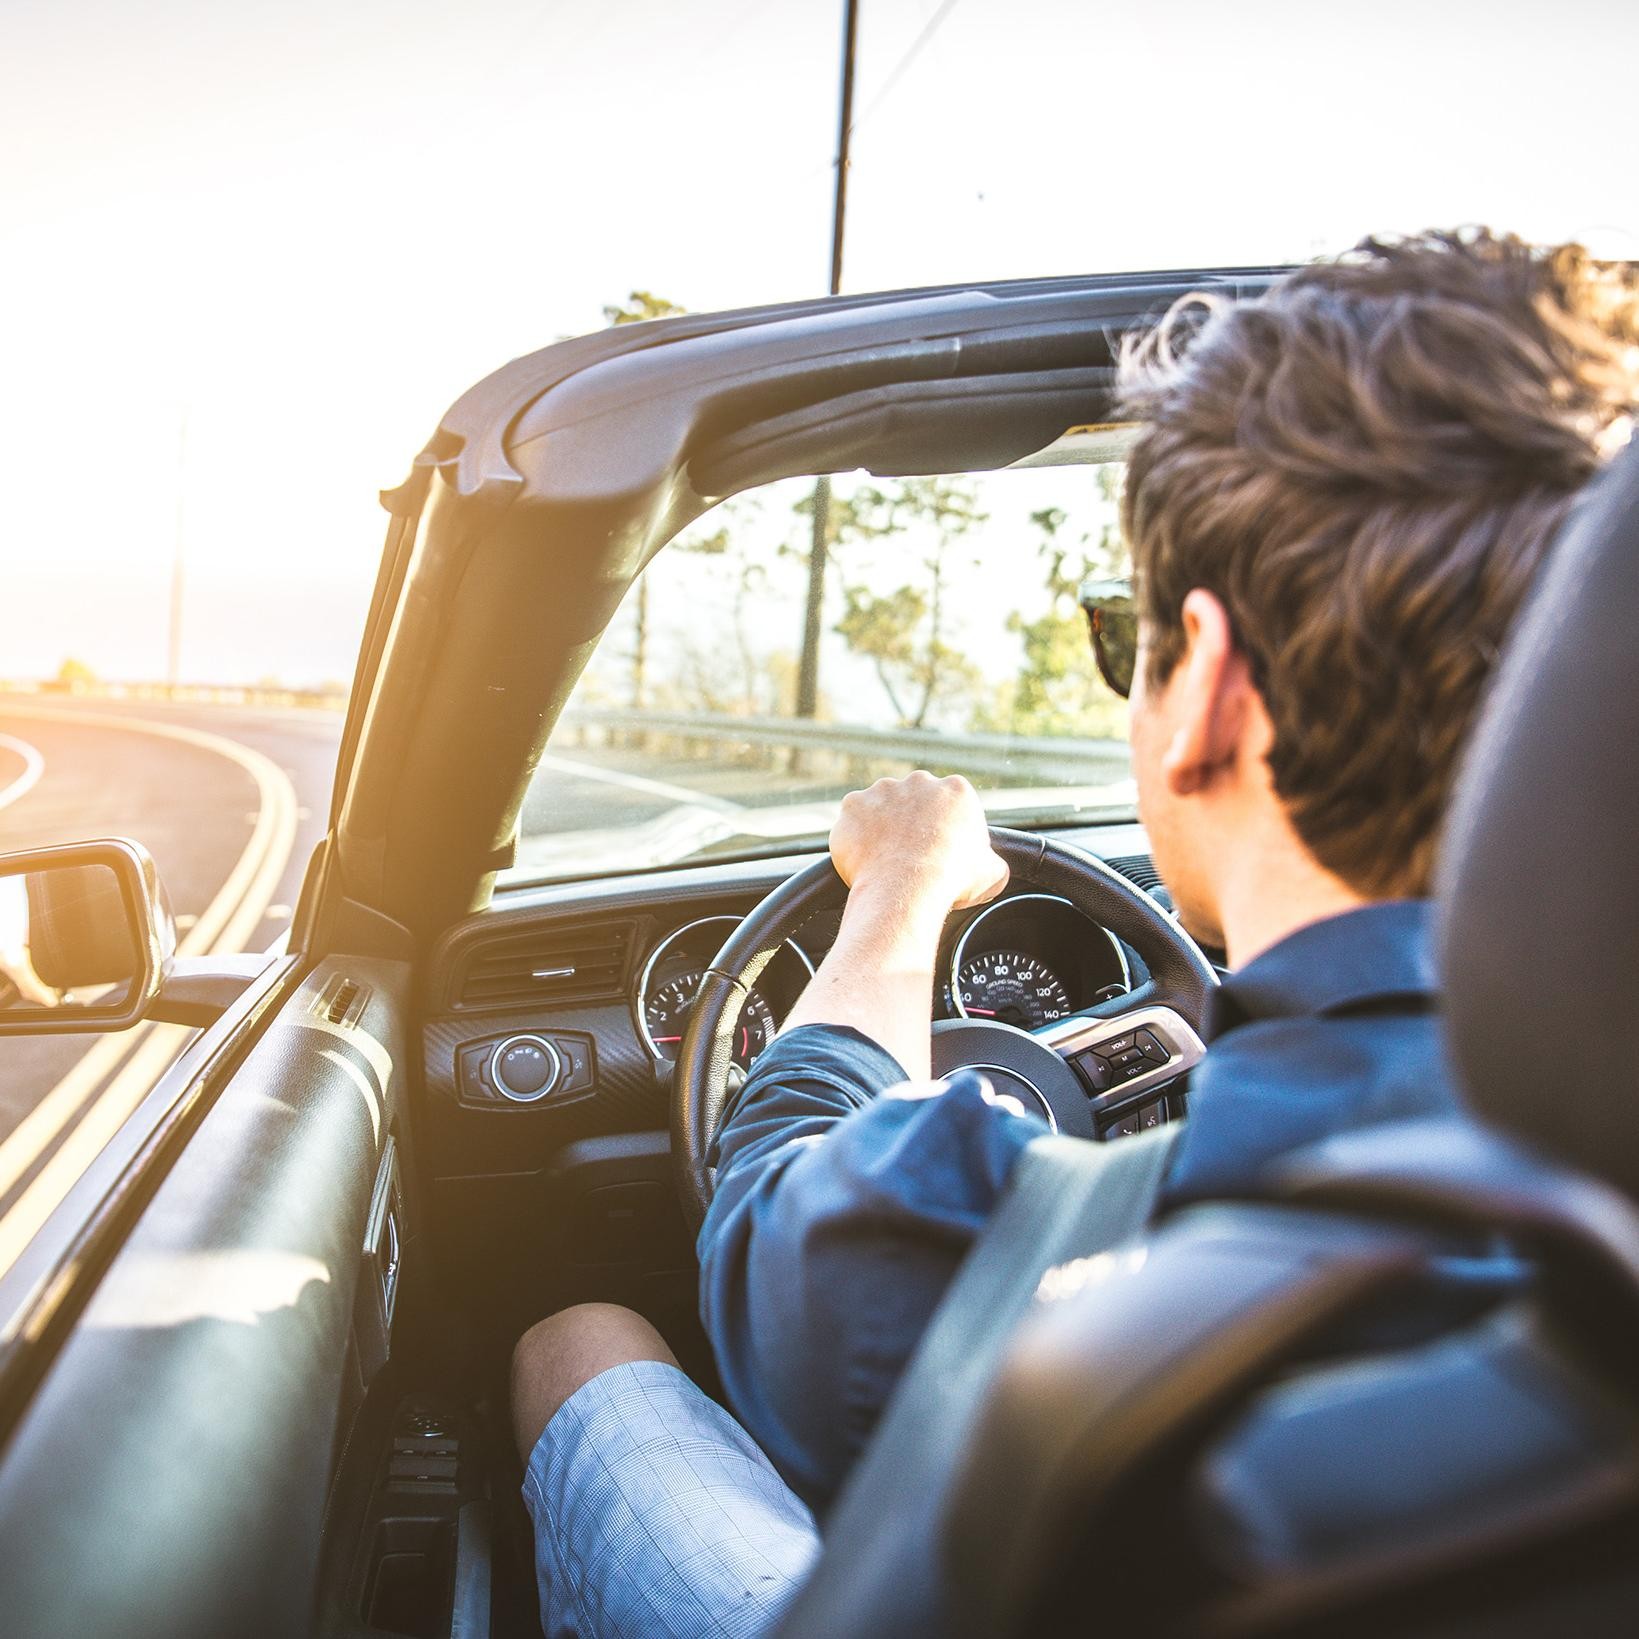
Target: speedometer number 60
1012 987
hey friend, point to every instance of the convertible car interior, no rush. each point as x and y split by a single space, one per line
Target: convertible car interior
262 1389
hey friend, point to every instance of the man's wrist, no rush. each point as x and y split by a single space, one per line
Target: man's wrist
912 905
878 975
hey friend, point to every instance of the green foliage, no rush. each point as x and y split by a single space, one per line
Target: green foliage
1058 690
640 305
903 631
723 666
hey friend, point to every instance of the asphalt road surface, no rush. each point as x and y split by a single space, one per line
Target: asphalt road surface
231 801
229 804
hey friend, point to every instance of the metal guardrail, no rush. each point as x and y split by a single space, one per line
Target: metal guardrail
193 694
995 756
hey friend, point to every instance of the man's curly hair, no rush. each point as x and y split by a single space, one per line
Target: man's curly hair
1366 465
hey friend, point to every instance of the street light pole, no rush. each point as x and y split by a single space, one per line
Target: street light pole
173 647
845 130
808 666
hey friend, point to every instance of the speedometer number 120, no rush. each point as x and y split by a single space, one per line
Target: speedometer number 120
1012 987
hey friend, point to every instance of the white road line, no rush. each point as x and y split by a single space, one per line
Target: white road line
636 782
34 765
225 927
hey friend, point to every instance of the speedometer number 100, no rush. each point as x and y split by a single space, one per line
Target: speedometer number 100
1012 987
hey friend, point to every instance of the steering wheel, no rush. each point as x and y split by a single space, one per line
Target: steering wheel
1072 1070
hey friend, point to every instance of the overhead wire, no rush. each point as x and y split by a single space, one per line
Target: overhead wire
903 66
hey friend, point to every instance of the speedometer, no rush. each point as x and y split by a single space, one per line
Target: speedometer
1012 987
666 1013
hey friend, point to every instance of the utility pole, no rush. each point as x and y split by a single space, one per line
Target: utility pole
173 654
813 617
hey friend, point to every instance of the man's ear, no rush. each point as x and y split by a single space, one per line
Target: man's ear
1211 693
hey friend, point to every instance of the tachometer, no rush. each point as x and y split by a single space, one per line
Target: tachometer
1012 987
666 1014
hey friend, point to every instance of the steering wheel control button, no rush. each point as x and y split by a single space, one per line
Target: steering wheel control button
1130 1055
1142 1118
1117 1045
1095 1071
1152 1047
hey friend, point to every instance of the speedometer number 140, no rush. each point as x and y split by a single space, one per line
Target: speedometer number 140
1012 987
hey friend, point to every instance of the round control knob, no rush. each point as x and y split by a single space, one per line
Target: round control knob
525 1068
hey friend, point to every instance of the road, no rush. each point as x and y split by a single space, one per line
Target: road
231 801
230 806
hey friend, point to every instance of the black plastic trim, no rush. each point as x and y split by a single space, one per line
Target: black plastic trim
549 486
43 1293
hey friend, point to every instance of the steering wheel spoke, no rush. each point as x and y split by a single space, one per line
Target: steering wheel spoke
1118 1056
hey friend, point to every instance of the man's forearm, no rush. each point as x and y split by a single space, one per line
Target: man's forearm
878 976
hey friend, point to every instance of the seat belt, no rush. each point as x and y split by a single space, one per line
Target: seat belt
1066 1198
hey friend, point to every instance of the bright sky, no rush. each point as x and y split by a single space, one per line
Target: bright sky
249 252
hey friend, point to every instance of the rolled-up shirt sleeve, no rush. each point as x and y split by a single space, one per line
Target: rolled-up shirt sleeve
838 1221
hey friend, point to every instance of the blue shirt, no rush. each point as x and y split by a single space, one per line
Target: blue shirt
840 1217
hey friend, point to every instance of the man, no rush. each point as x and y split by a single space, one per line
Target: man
1339 500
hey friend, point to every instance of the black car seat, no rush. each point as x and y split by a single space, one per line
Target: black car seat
1399 1392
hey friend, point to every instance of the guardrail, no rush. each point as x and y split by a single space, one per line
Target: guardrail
192 694
786 742
995 757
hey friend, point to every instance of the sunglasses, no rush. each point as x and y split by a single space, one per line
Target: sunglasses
1112 621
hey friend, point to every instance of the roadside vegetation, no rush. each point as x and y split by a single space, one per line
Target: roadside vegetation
946 606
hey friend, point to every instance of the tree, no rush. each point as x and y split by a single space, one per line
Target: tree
723 677
904 631
1058 690
638 306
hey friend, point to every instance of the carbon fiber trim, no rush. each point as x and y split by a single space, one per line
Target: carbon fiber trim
627 1094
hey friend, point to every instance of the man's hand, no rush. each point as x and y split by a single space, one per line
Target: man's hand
923 838
911 851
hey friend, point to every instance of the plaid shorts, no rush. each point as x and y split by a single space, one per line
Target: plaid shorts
656 1514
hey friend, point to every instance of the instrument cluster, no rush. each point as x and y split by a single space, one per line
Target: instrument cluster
1028 959
671 979
1031 959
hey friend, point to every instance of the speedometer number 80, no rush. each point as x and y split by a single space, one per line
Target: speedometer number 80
1012 987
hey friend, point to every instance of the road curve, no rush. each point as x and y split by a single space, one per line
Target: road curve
230 801
230 805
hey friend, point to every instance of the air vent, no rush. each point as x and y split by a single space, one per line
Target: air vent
1140 869
341 1001
547 965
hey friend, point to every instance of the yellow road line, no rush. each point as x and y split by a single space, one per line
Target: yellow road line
226 926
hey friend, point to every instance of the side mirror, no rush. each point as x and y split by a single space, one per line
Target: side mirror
86 938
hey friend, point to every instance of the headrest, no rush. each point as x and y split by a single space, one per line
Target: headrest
1540 877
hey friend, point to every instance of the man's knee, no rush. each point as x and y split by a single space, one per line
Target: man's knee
557 1355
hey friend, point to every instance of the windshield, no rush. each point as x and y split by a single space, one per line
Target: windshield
948 638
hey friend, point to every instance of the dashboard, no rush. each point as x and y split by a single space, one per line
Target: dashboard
664 995
554 1017
1027 959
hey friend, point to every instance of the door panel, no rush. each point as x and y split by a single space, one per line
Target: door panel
170 1475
